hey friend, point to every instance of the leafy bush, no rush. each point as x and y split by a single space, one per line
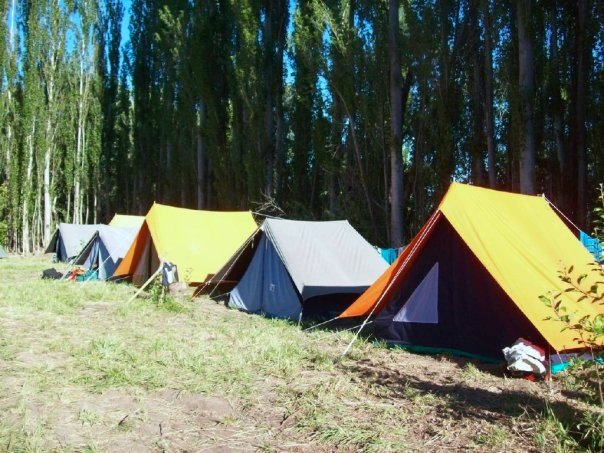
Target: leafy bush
585 376
159 296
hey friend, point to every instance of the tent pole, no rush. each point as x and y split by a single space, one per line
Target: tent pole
361 328
104 261
142 288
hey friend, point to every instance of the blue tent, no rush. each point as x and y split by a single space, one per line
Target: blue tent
69 239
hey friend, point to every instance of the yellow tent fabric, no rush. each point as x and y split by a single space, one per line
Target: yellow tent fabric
524 245
521 242
127 221
198 242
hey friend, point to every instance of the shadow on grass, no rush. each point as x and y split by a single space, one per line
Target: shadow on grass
463 399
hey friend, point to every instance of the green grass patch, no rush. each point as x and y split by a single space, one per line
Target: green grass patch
63 343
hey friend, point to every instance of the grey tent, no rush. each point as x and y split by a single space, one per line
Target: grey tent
291 268
69 239
106 249
3 253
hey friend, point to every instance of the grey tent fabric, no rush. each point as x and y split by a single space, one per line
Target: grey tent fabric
325 257
319 258
3 253
69 239
106 249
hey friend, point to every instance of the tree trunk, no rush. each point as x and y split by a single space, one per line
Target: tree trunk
280 132
489 127
27 186
557 105
396 125
477 145
526 81
47 200
582 55
201 170
269 114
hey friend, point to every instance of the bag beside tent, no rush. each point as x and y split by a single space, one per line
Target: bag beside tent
69 239
471 279
289 268
198 242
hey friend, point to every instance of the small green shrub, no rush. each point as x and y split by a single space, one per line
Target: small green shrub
160 297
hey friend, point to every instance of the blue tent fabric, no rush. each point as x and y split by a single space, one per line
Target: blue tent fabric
592 245
266 286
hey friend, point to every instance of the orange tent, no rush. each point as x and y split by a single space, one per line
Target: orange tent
473 276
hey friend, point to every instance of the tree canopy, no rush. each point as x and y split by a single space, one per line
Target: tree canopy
328 109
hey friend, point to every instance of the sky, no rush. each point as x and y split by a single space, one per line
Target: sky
126 22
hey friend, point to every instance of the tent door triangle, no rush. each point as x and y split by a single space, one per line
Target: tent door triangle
422 305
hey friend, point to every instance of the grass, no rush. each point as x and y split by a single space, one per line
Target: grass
83 370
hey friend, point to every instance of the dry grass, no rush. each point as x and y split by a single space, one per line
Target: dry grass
81 370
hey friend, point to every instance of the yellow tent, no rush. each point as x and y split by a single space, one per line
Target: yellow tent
198 242
127 221
473 276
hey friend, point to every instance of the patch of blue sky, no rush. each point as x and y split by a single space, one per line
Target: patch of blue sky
126 23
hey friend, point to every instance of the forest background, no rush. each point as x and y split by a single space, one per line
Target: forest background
357 109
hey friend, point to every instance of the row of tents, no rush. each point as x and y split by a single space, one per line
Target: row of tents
471 280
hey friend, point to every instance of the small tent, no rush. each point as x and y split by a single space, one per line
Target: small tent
197 242
69 239
127 221
3 253
106 249
472 278
293 267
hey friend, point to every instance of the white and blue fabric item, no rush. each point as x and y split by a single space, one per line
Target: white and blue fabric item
105 250
69 240
169 274
295 261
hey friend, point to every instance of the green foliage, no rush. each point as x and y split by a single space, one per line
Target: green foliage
223 103
161 298
584 376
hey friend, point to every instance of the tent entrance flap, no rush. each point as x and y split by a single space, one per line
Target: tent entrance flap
266 286
422 305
